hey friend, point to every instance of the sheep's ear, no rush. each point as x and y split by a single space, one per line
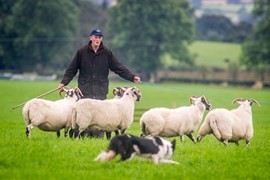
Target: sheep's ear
192 99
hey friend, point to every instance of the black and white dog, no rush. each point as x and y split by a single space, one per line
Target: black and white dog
127 145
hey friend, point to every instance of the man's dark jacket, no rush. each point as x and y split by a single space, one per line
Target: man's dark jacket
94 70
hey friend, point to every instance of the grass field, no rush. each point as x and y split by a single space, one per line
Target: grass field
209 54
44 156
222 51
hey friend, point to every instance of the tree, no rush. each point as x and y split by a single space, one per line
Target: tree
220 28
143 31
43 32
6 49
256 49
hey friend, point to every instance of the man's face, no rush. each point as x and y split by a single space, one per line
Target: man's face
96 40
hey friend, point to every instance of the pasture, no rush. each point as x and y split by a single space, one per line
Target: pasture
44 156
206 57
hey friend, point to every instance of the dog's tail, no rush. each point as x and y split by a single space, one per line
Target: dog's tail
106 156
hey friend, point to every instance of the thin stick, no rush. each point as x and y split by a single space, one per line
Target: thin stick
49 92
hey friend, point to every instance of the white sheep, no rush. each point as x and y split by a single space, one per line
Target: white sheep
173 122
118 92
51 115
105 115
230 125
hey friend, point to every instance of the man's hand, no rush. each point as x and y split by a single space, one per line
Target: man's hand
60 86
137 80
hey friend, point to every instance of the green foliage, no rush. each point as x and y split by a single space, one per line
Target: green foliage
144 30
41 30
44 156
256 53
220 28
91 17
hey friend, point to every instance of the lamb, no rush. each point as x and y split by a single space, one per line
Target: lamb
173 122
51 115
106 115
230 125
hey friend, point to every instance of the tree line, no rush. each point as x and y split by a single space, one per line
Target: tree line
41 36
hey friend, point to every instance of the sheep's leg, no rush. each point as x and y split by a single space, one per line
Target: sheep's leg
182 138
225 142
66 132
123 131
199 138
28 130
116 133
108 135
58 134
71 133
191 137
247 142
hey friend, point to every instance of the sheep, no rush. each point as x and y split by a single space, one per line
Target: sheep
118 92
230 125
51 115
173 122
105 115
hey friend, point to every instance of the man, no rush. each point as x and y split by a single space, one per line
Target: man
94 61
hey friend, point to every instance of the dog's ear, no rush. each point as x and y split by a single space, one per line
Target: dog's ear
173 144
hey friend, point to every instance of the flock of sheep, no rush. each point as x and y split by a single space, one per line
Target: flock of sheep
116 115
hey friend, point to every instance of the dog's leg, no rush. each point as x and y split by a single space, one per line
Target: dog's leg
127 156
168 161
155 159
106 156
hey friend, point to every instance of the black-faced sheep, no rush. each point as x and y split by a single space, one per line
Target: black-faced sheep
180 121
230 125
51 115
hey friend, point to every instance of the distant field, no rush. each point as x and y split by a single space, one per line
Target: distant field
213 54
43 156
209 54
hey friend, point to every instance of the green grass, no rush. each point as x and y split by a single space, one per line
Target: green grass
209 54
213 54
43 156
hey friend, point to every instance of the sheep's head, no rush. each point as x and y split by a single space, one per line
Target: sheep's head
71 92
134 92
200 99
118 92
245 101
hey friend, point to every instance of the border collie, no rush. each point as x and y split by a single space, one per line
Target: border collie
127 145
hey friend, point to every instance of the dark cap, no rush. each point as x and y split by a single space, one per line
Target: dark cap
96 32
